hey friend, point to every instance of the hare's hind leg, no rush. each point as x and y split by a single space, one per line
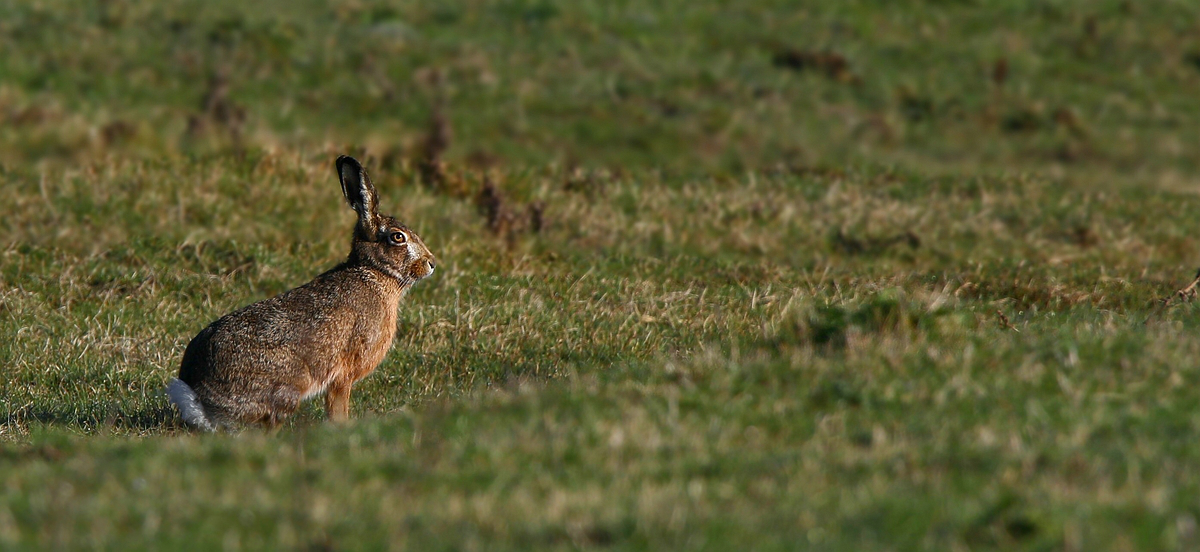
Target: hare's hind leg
337 401
272 412
272 422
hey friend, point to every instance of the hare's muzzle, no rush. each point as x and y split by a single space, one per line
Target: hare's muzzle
423 268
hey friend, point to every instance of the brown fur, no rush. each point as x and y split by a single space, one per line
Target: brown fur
258 363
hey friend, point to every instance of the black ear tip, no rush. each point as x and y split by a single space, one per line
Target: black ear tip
344 160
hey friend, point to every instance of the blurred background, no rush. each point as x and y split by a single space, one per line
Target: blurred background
1089 89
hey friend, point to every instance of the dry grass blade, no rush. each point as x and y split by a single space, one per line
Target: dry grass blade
1185 295
1004 322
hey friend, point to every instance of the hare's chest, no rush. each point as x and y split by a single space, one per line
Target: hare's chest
375 346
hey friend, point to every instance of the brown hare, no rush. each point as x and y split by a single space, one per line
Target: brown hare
256 364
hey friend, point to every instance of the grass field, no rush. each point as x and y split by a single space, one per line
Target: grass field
763 275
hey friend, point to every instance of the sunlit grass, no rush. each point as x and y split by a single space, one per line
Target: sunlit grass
688 366
837 276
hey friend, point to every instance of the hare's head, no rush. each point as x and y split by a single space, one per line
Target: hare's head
380 241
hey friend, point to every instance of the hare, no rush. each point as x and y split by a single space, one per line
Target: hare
256 364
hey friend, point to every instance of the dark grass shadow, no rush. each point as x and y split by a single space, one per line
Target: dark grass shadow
113 418
141 420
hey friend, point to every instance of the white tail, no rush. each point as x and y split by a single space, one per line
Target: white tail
189 406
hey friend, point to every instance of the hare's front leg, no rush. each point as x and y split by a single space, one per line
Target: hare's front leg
337 401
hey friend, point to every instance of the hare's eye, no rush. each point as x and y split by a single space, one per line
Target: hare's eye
397 238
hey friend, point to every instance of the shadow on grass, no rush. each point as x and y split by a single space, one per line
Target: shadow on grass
144 419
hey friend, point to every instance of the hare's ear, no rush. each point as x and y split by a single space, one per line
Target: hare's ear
359 192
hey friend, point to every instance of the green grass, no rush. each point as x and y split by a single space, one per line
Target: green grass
900 306
683 87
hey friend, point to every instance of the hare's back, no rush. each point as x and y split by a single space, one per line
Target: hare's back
272 340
